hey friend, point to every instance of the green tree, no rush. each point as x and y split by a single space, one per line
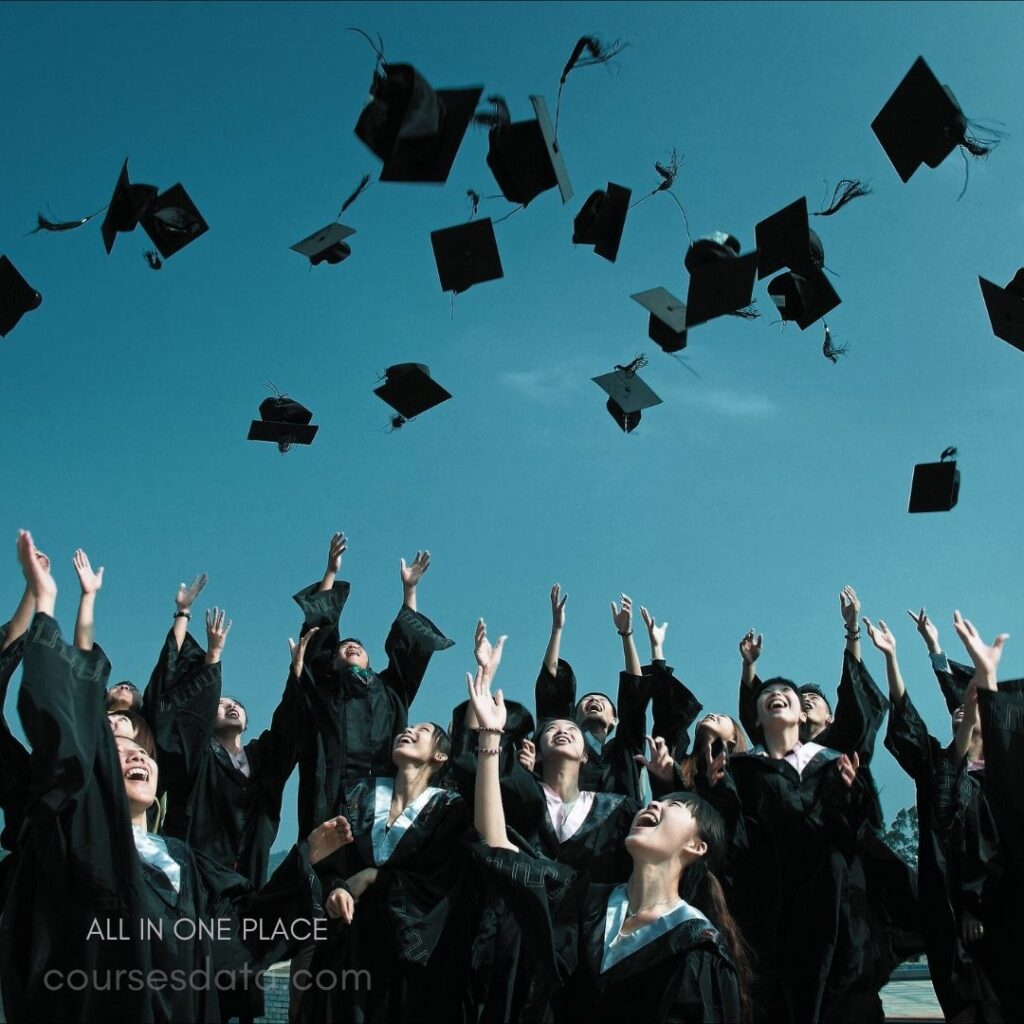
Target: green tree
902 835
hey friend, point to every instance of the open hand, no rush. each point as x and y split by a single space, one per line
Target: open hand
623 618
90 581
986 657
37 574
413 572
750 646
926 628
337 548
187 595
298 650
881 636
558 607
218 625
659 763
488 656
849 607
490 709
654 631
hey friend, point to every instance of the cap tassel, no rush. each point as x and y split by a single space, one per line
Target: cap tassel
831 351
152 257
396 422
45 224
378 47
474 200
630 369
364 184
668 172
747 312
948 453
846 190
589 50
497 116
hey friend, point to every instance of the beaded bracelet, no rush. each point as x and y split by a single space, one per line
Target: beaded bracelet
496 732
488 750
182 615
853 636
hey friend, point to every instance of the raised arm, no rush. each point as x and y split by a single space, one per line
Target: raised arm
218 625
849 608
953 677
882 638
674 707
90 582
557 625
965 730
335 552
622 618
750 650
23 613
183 602
411 575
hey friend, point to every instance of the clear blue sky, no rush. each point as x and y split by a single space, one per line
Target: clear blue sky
748 499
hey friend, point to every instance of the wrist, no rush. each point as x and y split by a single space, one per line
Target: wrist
626 632
213 656
182 613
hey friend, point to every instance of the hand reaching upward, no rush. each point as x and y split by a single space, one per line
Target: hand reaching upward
90 581
927 629
558 607
187 595
415 570
986 657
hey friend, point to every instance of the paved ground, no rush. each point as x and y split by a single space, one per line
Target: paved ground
914 1000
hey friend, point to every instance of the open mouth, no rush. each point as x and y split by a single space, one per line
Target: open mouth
137 775
647 818
405 738
561 739
777 703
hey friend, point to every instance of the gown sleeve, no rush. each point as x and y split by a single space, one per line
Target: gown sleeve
322 608
409 646
280 747
555 695
860 710
953 680
748 706
14 758
673 706
706 990
908 740
1002 728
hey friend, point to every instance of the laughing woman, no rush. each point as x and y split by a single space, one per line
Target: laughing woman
105 921
393 894
660 947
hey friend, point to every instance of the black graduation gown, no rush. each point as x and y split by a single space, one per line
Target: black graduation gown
14 758
612 769
353 717
957 861
211 804
673 707
81 883
788 877
684 975
410 927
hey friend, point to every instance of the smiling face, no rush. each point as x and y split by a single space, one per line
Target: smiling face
140 775
351 652
595 710
562 739
778 705
665 830
231 716
420 744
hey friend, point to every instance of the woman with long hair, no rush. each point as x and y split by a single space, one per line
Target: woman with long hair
661 946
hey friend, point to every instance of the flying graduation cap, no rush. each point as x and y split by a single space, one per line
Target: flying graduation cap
922 122
127 205
328 245
410 390
721 280
414 129
785 239
284 422
936 485
1006 308
466 254
628 395
601 221
666 326
17 297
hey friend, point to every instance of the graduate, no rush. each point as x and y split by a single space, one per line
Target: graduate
223 795
659 947
793 812
611 766
105 921
958 861
355 712
394 896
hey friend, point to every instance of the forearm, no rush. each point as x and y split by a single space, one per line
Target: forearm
213 656
328 581
85 623
179 629
964 732
20 619
895 679
551 654
631 658
409 598
488 813
748 673
853 640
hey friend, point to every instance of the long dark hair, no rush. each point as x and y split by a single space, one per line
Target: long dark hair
442 745
701 888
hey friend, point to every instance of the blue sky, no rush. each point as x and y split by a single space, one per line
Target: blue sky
749 498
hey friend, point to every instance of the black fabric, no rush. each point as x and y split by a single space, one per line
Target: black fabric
959 864
14 758
352 719
80 872
210 803
613 769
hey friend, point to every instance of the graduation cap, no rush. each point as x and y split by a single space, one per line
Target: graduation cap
326 245
936 485
466 254
602 219
666 325
127 205
785 239
525 159
172 221
721 281
17 297
628 395
414 129
922 122
803 298
283 421
409 389
1006 308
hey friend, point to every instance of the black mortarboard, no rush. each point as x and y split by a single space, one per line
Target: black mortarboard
172 221
283 421
525 159
466 254
720 285
128 203
410 390
936 486
326 245
716 246
803 298
628 396
602 219
414 129
920 123
785 239
1006 308
17 296
666 326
